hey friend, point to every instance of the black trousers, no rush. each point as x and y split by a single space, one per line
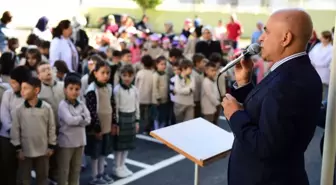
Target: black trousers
8 162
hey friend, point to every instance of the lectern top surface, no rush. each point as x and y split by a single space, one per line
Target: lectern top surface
198 138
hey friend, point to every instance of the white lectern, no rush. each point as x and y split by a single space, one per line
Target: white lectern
198 140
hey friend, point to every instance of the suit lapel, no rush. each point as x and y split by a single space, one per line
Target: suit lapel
262 84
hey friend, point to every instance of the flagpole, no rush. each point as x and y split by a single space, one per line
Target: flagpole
329 146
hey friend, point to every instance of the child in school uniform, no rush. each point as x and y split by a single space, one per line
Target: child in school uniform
128 116
177 72
160 94
199 63
61 70
84 85
174 56
99 100
53 93
51 90
155 49
33 58
126 57
184 93
210 95
11 99
85 79
73 118
115 66
33 133
144 83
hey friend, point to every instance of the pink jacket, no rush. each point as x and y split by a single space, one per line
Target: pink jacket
112 28
136 54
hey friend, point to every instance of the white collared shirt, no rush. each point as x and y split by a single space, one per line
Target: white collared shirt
284 60
321 57
277 64
63 49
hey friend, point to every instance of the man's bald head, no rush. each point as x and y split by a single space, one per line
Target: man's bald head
296 21
286 32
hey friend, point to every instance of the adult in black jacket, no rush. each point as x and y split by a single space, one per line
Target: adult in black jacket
277 118
207 45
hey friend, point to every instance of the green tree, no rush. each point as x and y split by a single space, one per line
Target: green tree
148 4
198 1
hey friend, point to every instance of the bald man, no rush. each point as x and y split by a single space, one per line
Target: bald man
274 121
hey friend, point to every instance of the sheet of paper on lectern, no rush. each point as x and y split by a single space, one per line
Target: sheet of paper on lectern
198 138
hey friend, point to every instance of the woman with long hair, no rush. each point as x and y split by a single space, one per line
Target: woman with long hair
62 48
321 57
4 21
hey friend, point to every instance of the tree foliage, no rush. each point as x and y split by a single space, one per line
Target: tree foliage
148 4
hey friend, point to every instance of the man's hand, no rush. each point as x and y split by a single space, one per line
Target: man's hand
230 106
243 71
50 152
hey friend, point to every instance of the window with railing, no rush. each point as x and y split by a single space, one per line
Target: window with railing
311 4
217 5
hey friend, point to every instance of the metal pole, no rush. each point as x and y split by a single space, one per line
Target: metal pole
329 146
196 178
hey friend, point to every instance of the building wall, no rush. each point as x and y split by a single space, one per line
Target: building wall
323 19
26 12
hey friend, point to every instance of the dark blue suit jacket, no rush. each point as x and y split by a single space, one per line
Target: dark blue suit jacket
274 130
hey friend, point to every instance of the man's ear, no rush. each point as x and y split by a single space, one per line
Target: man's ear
287 39
37 90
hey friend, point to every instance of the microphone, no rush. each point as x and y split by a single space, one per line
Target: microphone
252 49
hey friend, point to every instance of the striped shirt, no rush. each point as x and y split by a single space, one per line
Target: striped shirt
171 88
284 60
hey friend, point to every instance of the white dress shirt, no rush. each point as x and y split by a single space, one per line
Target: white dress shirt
321 57
63 49
44 35
279 63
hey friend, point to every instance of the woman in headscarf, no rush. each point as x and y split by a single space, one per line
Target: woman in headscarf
169 31
111 25
41 29
79 36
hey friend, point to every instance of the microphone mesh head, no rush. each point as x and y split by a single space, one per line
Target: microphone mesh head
254 49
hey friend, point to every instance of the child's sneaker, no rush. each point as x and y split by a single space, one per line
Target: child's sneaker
107 178
98 181
128 171
120 172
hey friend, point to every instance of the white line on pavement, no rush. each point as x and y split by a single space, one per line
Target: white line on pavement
134 163
148 138
150 170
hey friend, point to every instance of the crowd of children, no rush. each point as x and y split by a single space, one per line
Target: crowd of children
48 122
52 119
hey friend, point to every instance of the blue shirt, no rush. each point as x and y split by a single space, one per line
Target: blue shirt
255 36
3 40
